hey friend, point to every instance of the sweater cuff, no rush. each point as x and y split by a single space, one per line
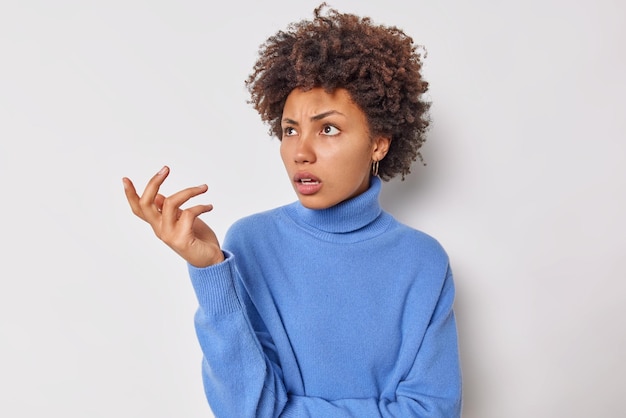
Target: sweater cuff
214 286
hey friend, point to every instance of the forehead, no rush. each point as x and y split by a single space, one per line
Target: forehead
317 100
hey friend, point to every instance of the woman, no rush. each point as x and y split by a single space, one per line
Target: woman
326 307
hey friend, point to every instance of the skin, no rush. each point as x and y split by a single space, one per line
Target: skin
325 137
180 229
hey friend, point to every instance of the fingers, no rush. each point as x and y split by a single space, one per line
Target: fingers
184 221
161 212
181 229
144 206
170 206
132 197
147 200
189 214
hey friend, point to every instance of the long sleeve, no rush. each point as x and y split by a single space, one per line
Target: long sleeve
240 380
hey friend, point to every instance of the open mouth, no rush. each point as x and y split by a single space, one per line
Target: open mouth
308 181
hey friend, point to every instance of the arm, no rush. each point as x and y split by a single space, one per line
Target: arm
240 372
240 379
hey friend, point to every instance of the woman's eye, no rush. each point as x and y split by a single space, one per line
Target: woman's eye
330 130
289 131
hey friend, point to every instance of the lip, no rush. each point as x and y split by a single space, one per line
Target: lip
307 188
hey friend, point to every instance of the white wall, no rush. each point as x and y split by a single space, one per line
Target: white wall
525 187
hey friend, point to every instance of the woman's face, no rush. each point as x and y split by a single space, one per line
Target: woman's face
326 147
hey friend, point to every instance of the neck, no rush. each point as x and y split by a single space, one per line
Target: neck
345 217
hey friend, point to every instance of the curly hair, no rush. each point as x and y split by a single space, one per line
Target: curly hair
378 65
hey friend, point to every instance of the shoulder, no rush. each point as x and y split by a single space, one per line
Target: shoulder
255 221
417 241
261 224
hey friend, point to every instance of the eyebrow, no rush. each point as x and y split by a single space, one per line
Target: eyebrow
315 117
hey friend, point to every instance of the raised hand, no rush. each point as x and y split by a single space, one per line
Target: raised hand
180 229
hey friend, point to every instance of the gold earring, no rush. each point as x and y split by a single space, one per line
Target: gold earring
375 168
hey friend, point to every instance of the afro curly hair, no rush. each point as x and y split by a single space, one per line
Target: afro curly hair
378 65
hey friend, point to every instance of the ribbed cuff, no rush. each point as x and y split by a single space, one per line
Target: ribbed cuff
214 286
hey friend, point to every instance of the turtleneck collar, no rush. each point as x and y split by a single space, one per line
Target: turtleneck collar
348 216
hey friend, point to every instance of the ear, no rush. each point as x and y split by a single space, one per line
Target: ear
380 147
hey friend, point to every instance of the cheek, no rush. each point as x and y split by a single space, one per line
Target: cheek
355 165
361 158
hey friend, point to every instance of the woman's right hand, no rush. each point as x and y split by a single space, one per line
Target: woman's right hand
180 229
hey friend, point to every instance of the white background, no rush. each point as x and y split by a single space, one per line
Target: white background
525 187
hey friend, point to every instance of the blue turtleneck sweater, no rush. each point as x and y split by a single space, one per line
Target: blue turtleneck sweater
342 312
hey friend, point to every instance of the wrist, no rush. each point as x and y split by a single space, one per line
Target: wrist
217 258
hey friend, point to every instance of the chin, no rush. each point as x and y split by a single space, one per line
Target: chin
310 202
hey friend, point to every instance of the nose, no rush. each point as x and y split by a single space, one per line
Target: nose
304 150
